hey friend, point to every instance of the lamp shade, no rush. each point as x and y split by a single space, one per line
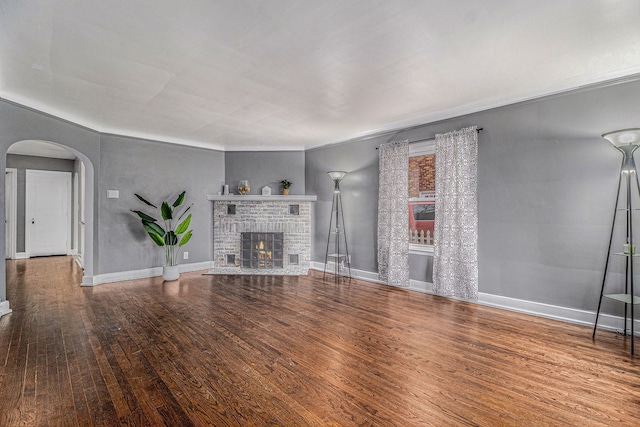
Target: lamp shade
336 176
623 137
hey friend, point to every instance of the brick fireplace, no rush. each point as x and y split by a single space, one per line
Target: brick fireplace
261 234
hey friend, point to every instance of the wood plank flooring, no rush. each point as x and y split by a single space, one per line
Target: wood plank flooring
293 351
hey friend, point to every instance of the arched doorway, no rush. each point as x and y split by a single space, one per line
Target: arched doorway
81 198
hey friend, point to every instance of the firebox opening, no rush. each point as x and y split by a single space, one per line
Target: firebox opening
262 250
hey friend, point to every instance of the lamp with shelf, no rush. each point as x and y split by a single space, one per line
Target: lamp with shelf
627 142
337 234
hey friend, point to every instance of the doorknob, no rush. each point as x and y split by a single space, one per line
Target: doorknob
33 220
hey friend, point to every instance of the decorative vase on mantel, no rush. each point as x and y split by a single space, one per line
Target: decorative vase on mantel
244 187
170 272
285 191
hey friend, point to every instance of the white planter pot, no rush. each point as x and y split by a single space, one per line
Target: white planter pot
170 272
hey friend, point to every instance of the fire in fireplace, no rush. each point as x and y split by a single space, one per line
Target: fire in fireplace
262 250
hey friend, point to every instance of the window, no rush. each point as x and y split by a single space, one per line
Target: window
422 186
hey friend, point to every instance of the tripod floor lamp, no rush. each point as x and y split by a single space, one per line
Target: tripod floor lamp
627 141
337 249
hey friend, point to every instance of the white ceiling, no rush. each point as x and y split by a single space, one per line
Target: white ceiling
287 74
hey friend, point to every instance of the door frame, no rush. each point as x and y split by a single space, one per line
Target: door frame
27 213
75 223
82 183
11 176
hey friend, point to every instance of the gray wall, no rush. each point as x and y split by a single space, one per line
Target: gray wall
22 163
546 191
265 168
359 191
158 171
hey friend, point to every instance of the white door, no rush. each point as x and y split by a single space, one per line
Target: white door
48 213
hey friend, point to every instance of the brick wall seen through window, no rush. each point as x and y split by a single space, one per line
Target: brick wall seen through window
422 174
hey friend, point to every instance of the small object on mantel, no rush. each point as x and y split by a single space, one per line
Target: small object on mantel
244 187
266 190
285 184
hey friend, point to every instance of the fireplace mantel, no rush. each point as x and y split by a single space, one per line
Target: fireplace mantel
257 198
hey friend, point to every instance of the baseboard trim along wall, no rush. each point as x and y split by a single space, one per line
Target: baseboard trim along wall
21 255
145 273
4 308
564 314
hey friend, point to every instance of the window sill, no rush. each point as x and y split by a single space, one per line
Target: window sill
420 249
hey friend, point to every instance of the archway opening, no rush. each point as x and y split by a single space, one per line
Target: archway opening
33 167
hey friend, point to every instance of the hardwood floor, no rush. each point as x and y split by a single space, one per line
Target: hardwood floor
293 351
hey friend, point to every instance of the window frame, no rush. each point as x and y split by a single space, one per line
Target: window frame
421 148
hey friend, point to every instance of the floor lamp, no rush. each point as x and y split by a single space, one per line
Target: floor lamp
627 141
337 233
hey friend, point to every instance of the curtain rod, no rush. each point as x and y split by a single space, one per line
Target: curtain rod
432 139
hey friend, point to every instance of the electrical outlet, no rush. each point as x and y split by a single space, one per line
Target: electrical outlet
185 255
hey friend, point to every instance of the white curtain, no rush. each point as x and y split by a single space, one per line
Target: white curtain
455 262
393 214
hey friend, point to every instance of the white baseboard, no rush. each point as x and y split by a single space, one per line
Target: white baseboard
78 259
419 286
555 312
21 255
145 273
4 308
564 314
356 274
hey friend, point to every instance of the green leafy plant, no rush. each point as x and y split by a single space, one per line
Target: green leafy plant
167 237
285 184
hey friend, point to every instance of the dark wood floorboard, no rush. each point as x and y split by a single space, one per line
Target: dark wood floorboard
293 351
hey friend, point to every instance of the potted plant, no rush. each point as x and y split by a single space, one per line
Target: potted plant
285 184
168 235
